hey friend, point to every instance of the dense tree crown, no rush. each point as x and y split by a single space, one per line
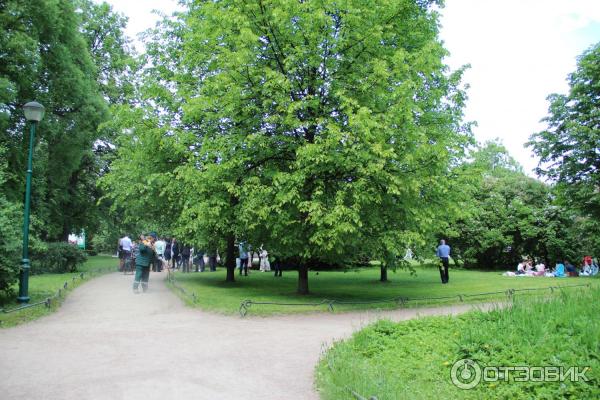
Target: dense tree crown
569 149
65 55
323 129
508 215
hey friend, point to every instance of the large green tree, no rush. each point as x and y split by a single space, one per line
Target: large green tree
569 149
323 130
61 54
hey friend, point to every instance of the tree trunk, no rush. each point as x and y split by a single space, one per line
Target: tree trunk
302 279
383 274
230 260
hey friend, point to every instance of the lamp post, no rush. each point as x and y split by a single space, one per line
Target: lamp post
34 112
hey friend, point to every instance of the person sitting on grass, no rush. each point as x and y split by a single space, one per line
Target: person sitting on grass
559 271
571 270
529 268
520 270
540 269
589 267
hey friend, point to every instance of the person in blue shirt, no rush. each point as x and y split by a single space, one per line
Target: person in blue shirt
443 252
559 270
243 248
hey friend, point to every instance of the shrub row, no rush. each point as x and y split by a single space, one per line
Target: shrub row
45 258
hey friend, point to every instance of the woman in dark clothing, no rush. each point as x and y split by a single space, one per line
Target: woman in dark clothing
185 258
168 252
175 254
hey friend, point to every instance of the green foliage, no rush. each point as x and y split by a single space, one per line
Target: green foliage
66 55
57 258
103 30
568 149
508 215
315 128
413 359
10 244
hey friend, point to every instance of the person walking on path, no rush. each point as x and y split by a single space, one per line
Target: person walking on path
443 252
144 256
168 252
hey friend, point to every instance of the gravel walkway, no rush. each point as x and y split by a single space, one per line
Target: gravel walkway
107 343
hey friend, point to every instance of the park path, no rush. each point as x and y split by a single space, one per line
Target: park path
107 343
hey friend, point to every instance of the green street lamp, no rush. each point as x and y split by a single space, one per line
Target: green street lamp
34 112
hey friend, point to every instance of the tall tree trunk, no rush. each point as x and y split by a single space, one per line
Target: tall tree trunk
384 271
302 278
230 260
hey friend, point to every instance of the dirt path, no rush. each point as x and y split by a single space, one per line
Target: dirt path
107 343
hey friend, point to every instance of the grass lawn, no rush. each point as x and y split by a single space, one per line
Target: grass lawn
214 294
414 359
46 285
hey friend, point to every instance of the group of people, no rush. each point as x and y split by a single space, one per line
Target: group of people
153 253
562 269
181 256
170 253
246 256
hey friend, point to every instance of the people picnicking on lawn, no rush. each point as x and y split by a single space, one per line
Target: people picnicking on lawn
589 267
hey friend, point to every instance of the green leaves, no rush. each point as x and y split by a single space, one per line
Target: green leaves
71 56
568 149
315 128
507 216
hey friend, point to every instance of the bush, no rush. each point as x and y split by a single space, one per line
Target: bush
413 359
57 258
10 244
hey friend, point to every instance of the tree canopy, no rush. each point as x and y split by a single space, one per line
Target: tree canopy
569 149
508 216
323 130
65 55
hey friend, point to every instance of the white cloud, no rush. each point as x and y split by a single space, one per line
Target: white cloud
520 52
141 14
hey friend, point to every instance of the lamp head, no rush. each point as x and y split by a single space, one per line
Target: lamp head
34 111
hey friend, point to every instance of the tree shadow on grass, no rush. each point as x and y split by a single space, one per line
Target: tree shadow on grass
340 287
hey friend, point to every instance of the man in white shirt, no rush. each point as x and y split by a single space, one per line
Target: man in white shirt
159 247
124 250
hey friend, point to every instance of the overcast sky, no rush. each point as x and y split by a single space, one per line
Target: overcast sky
520 51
